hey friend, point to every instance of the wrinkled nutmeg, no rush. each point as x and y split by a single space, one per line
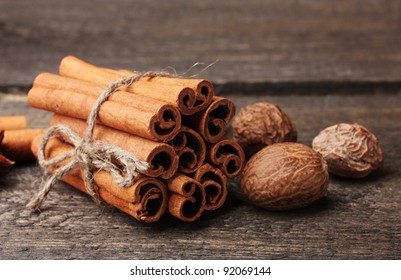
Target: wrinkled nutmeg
262 124
349 149
285 176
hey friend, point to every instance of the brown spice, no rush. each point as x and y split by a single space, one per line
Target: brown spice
136 111
12 122
190 148
146 200
285 176
160 124
228 156
350 150
148 208
214 184
212 123
165 116
162 158
262 124
187 198
16 144
189 95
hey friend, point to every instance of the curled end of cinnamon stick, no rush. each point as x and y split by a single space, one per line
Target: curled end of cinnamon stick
212 122
228 156
190 148
152 200
166 123
214 183
192 101
163 162
188 160
187 200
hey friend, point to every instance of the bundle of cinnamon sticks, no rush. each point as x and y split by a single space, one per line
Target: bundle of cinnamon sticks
177 125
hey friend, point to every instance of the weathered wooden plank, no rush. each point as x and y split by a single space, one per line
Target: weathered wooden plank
254 41
357 219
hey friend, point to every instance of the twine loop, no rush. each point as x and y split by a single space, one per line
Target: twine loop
88 154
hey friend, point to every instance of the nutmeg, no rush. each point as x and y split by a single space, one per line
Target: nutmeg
262 124
350 150
285 176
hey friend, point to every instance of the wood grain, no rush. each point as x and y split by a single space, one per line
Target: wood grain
357 219
295 40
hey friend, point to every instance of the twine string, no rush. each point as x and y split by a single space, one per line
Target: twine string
88 154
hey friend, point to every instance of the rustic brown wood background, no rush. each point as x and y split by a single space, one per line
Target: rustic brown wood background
323 62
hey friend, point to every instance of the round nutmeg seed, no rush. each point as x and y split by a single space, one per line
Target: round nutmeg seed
261 124
285 176
350 150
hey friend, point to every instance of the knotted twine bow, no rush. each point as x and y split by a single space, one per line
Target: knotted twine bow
88 154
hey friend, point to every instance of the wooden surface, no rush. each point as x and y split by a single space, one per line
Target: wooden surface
256 40
323 62
357 219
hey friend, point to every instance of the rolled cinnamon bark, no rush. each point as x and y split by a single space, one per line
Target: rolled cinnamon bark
159 127
16 144
189 95
214 183
228 156
148 210
12 122
187 198
146 200
162 158
141 103
190 148
212 123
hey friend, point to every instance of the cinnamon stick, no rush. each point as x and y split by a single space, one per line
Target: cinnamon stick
146 200
212 123
16 144
162 158
160 127
189 95
140 103
228 156
187 200
214 183
148 210
12 122
190 148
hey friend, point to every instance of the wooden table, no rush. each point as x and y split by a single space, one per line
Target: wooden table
323 63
